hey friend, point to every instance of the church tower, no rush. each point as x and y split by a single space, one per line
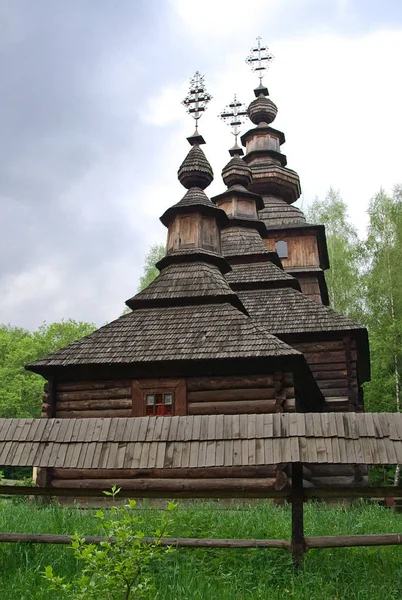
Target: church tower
301 246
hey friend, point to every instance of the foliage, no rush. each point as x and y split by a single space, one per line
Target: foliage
346 253
218 573
120 567
384 300
20 390
155 253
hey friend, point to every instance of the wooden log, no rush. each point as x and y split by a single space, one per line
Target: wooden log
325 384
231 395
325 357
232 408
190 473
289 405
170 485
334 366
88 414
328 470
114 403
349 541
323 346
76 386
11 490
197 384
335 392
334 480
330 375
105 394
49 538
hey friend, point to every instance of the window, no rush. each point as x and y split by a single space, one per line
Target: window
282 249
159 396
159 404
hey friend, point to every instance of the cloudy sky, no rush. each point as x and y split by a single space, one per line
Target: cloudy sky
92 130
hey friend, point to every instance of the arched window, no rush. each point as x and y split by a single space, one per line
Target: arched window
282 249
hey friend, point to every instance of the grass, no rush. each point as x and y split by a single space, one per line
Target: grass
221 574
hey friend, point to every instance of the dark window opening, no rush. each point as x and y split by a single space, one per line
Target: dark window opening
159 404
282 249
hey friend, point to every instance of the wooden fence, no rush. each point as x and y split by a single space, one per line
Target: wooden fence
297 495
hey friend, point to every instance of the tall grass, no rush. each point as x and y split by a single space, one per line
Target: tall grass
221 574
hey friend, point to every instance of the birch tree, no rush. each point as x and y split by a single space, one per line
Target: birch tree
384 302
346 254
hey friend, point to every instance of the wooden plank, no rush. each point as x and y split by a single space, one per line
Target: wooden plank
231 395
211 454
228 453
145 454
153 450
220 453
194 447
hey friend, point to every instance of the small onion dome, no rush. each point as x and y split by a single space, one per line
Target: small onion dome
236 172
262 110
195 170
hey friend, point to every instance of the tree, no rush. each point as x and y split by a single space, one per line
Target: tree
346 253
384 302
155 253
20 390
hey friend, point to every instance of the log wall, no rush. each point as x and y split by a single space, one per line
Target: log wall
240 394
334 366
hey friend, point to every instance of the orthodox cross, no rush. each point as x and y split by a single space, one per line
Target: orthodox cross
197 98
234 115
259 59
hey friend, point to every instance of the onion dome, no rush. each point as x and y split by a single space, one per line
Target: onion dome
262 110
236 172
195 170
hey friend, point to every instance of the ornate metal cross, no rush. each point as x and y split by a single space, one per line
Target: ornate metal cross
197 98
234 115
259 59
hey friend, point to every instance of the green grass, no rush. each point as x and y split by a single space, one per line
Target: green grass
209 574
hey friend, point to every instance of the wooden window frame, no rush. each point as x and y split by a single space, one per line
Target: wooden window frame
141 387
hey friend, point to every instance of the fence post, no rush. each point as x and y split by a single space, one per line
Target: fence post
298 543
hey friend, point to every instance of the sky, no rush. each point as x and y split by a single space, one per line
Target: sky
92 130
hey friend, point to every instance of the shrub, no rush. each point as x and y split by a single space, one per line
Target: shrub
121 566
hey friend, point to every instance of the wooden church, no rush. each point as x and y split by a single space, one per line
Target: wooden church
237 320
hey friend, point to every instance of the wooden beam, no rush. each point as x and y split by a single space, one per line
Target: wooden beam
147 493
48 538
349 541
297 499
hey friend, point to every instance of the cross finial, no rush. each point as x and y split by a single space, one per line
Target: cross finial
197 98
259 59
234 115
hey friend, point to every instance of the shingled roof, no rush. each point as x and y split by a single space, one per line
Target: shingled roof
262 274
185 281
279 214
287 311
242 241
199 441
205 332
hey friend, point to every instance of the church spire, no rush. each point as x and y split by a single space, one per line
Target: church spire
263 143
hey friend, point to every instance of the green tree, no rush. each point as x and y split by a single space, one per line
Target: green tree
155 253
384 301
346 254
20 390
